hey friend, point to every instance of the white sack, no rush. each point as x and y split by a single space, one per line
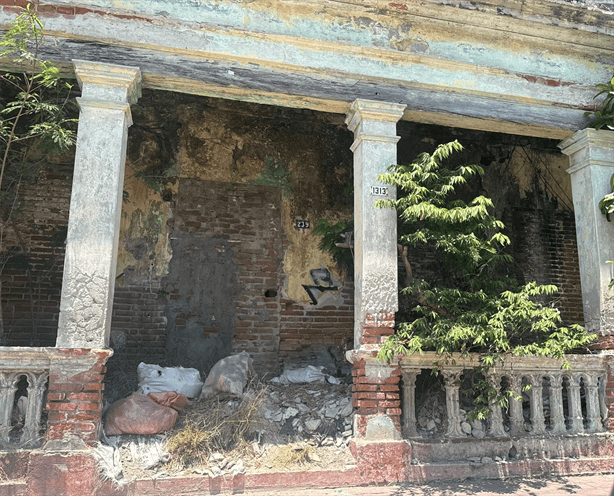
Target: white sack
156 379
301 376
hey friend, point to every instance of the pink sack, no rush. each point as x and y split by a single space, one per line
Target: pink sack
140 414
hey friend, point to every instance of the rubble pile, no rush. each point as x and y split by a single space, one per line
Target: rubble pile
319 412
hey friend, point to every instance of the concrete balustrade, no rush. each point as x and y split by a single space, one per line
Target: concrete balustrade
574 395
29 435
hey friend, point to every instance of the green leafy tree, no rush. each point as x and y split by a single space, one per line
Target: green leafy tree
35 114
604 118
476 307
606 205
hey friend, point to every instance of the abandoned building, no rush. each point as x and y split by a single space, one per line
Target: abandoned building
213 137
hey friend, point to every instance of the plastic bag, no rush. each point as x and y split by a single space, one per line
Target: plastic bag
140 414
156 379
229 375
301 376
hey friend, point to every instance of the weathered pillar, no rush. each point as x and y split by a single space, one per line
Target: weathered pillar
409 402
451 384
591 159
496 417
375 229
37 383
593 411
95 204
8 387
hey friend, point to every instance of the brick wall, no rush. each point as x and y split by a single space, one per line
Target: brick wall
248 219
375 396
138 325
305 325
74 401
33 259
545 250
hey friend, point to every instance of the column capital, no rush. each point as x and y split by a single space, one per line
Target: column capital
586 137
108 82
599 144
361 110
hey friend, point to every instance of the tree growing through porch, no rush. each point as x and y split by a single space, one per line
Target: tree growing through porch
477 307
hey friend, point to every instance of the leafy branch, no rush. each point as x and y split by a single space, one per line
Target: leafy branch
604 118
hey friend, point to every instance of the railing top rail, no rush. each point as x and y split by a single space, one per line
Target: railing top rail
40 358
508 363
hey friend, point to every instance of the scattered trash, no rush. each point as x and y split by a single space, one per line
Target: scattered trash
301 376
229 375
141 414
156 379
109 461
243 427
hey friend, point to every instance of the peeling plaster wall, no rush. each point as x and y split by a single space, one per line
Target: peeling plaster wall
192 141
522 67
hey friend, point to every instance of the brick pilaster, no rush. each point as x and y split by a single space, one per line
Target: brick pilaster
74 401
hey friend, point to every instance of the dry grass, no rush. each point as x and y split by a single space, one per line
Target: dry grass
297 454
218 423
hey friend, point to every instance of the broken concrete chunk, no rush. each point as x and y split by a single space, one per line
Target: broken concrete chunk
478 434
216 457
312 425
238 468
290 412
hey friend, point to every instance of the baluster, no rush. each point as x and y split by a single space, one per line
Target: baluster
575 406
8 386
538 424
451 378
515 403
496 417
603 407
557 417
592 404
36 390
409 402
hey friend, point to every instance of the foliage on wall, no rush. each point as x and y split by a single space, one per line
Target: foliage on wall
334 235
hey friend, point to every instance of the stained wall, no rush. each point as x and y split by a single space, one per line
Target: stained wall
211 257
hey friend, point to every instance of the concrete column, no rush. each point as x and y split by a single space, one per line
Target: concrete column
496 418
557 416
95 204
593 412
375 229
575 405
591 159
